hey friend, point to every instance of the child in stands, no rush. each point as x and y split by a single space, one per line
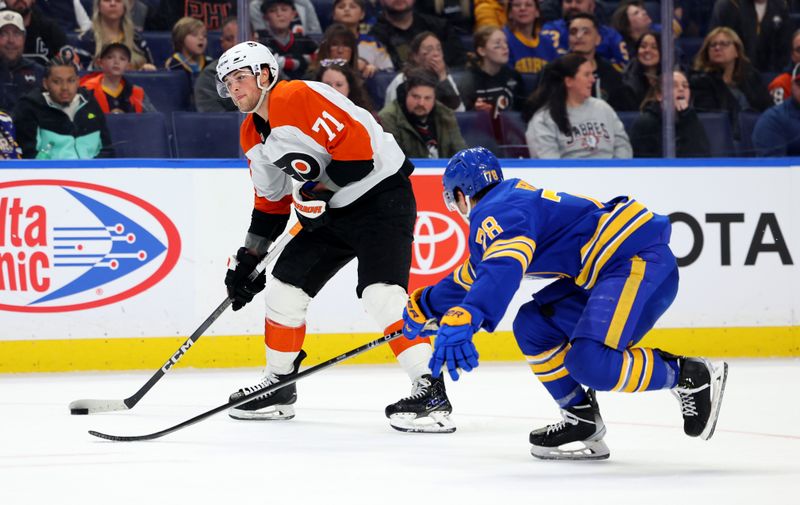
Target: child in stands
190 42
114 94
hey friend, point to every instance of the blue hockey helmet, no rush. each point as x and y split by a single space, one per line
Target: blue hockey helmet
470 171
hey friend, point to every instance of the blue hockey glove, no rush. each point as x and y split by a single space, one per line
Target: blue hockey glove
415 315
453 344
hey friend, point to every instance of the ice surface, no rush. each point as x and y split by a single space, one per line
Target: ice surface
340 450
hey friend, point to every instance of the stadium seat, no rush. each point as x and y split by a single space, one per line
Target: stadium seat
160 44
139 135
689 46
324 10
511 129
747 123
376 87
168 90
531 81
627 119
206 134
719 132
476 128
468 42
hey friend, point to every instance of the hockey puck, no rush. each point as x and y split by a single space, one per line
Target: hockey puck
79 412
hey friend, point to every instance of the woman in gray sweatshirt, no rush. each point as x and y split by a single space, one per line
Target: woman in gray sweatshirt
567 122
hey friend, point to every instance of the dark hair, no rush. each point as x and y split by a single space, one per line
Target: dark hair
583 15
479 39
358 94
620 21
341 35
552 92
420 77
416 42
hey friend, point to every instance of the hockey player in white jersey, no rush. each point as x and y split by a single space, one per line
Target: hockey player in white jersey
354 200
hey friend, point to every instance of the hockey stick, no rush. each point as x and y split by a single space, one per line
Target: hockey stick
314 369
83 407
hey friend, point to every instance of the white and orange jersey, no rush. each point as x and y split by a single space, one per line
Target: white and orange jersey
316 134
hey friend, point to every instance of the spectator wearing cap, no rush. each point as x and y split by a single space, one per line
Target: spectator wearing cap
189 41
372 56
611 46
306 21
43 37
63 121
292 51
18 75
422 126
112 22
399 24
781 86
113 93
777 132
209 12
206 97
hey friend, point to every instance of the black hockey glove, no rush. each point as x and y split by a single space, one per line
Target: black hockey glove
240 288
311 206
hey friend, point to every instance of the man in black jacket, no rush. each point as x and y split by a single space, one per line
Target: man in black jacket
399 24
43 37
18 75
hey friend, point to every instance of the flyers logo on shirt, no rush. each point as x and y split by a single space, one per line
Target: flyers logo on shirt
440 236
69 245
299 166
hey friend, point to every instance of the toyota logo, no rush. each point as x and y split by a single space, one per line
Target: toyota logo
439 243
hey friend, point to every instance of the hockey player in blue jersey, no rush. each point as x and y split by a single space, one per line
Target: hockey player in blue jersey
615 276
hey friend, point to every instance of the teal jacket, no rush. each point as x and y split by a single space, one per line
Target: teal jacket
45 132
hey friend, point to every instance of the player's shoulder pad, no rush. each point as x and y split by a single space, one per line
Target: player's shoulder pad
248 135
286 100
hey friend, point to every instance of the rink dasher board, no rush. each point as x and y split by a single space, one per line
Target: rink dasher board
737 294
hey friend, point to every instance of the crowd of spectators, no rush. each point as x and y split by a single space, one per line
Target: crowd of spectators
576 78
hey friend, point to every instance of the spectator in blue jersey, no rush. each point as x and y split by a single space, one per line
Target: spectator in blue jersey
293 50
530 48
614 277
777 132
691 140
112 23
584 37
9 148
566 121
189 40
644 70
489 84
611 46
44 38
399 24
372 56
18 75
305 23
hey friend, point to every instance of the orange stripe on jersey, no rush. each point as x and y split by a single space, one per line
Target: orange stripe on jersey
283 338
295 103
282 206
248 136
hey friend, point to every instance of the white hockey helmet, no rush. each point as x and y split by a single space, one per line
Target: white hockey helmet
251 55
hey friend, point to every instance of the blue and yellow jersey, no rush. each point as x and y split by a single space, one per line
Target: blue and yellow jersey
612 46
518 230
530 55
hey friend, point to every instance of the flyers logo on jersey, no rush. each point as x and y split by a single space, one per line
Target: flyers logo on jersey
68 245
299 166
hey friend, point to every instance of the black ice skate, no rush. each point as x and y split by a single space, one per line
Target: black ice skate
426 410
699 390
270 407
581 426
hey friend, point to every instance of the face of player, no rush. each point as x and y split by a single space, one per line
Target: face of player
638 18
348 12
337 81
195 43
115 63
420 100
430 52
21 6
523 12
579 88
12 43
279 17
721 50
111 10
648 54
681 92
340 51
496 48
228 37
572 6
62 84
243 89
397 6
583 36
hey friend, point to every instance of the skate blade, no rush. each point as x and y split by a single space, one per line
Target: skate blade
588 451
435 422
718 380
272 413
